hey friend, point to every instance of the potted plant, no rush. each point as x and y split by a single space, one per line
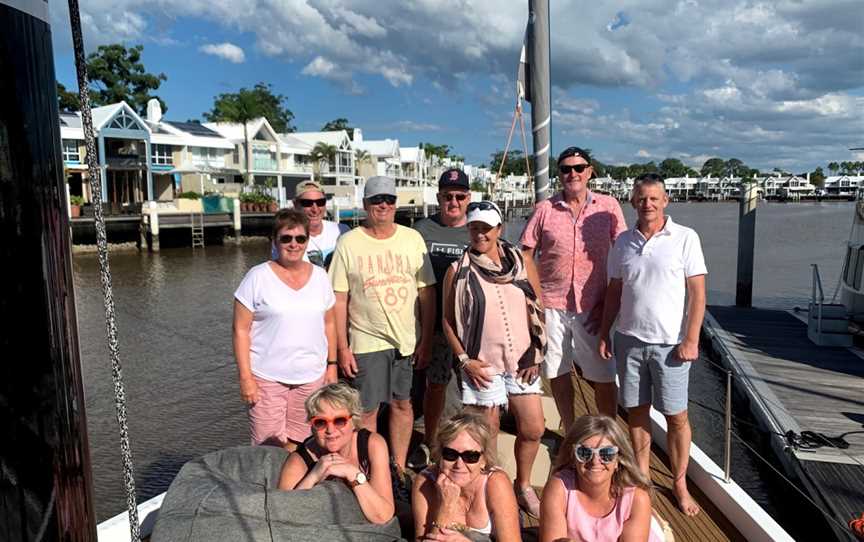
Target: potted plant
247 201
75 203
189 202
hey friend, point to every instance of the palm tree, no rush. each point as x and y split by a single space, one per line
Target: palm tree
242 107
360 156
833 167
322 153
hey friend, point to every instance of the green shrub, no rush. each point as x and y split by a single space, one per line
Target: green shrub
189 195
76 200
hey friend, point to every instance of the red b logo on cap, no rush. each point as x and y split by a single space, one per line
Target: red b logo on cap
454 175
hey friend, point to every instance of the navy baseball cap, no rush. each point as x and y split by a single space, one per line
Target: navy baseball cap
573 151
453 177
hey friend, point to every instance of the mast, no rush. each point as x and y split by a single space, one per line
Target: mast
537 38
45 477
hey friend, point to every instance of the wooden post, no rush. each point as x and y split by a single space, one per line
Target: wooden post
746 245
238 222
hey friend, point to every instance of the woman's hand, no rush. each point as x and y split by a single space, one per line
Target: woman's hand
339 467
448 491
249 391
529 375
446 535
476 371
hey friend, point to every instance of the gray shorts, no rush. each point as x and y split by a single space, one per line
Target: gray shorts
440 368
381 377
651 374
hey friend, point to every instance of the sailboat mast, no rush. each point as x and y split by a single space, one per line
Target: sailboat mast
538 45
45 477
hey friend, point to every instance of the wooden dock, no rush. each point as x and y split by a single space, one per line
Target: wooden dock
795 385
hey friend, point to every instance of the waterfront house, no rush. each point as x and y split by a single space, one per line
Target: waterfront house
843 185
385 157
415 167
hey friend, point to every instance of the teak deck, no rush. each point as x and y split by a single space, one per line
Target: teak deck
799 386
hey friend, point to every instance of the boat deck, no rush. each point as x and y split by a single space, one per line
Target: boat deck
795 385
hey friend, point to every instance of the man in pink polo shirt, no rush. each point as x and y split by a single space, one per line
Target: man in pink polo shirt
569 236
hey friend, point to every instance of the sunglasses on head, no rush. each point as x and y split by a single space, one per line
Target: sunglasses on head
320 423
578 168
310 202
607 454
382 198
449 196
483 206
468 456
285 239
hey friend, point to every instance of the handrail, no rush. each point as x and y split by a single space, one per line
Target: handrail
816 282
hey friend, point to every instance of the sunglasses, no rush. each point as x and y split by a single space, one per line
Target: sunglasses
382 198
451 196
483 206
310 202
285 239
607 454
320 423
578 168
468 456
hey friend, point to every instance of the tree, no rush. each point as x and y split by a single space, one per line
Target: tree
736 168
117 74
833 167
67 101
322 153
337 125
256 102
817 177
359 156
714 167
441 151
515 164
672 167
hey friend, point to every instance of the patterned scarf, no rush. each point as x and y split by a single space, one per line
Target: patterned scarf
471 303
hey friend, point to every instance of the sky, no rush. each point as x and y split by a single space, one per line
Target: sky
775 84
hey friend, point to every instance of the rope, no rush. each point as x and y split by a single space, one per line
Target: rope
506 149
94 173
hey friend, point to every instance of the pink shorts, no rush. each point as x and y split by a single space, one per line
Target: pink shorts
279 414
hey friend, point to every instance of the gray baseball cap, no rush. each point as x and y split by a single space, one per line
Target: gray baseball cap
379 185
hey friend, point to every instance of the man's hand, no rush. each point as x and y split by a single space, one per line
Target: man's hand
687 350
604 347
423 354
347 363
595 317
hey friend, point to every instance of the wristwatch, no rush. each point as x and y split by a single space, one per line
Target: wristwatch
359 480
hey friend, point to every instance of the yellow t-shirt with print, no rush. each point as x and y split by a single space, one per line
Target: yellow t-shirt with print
382 278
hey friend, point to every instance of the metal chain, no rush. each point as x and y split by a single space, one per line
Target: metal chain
94 173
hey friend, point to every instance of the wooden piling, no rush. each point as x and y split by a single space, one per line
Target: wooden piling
746 245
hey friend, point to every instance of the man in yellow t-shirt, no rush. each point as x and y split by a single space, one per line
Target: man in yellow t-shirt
385 311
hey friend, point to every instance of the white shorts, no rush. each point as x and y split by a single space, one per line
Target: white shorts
569 344
502 387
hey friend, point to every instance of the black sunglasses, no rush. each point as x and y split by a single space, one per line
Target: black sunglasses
310 202
578 168
468 456
483 206
285 239
607 454
382 198
451 196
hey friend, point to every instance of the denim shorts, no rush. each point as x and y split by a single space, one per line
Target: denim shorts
495 394
651 374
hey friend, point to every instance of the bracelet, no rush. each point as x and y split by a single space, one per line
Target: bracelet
332 362
460 527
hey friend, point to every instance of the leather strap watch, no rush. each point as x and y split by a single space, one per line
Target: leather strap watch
358 480
463 359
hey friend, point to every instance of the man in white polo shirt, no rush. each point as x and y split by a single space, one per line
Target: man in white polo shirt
657 291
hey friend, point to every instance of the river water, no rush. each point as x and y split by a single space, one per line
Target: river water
174 319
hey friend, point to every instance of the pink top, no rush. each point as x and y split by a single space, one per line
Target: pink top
505 326
571 250
583 526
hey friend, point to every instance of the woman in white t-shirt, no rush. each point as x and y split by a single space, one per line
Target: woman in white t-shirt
284 335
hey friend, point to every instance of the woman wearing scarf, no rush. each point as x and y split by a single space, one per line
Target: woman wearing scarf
493 323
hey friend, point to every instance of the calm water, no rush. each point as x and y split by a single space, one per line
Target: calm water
174 311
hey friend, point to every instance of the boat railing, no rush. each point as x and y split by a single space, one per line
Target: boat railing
816 302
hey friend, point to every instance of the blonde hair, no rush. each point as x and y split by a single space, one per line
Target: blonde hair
336 395
476 427
627 474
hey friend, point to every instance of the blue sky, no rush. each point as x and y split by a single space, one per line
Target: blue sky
775 83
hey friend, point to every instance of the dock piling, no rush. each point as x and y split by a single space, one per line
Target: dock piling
746 245
238 224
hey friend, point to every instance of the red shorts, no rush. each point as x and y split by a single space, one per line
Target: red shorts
279 414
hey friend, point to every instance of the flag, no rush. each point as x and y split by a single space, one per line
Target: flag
523 76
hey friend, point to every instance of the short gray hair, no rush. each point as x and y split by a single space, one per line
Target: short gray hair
336 395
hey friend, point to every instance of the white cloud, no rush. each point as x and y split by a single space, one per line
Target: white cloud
227 51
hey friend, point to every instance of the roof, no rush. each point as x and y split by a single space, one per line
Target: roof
337 138
380 147
193 128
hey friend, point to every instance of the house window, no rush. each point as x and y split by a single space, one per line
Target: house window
125 121
70 151
163 155
207 156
